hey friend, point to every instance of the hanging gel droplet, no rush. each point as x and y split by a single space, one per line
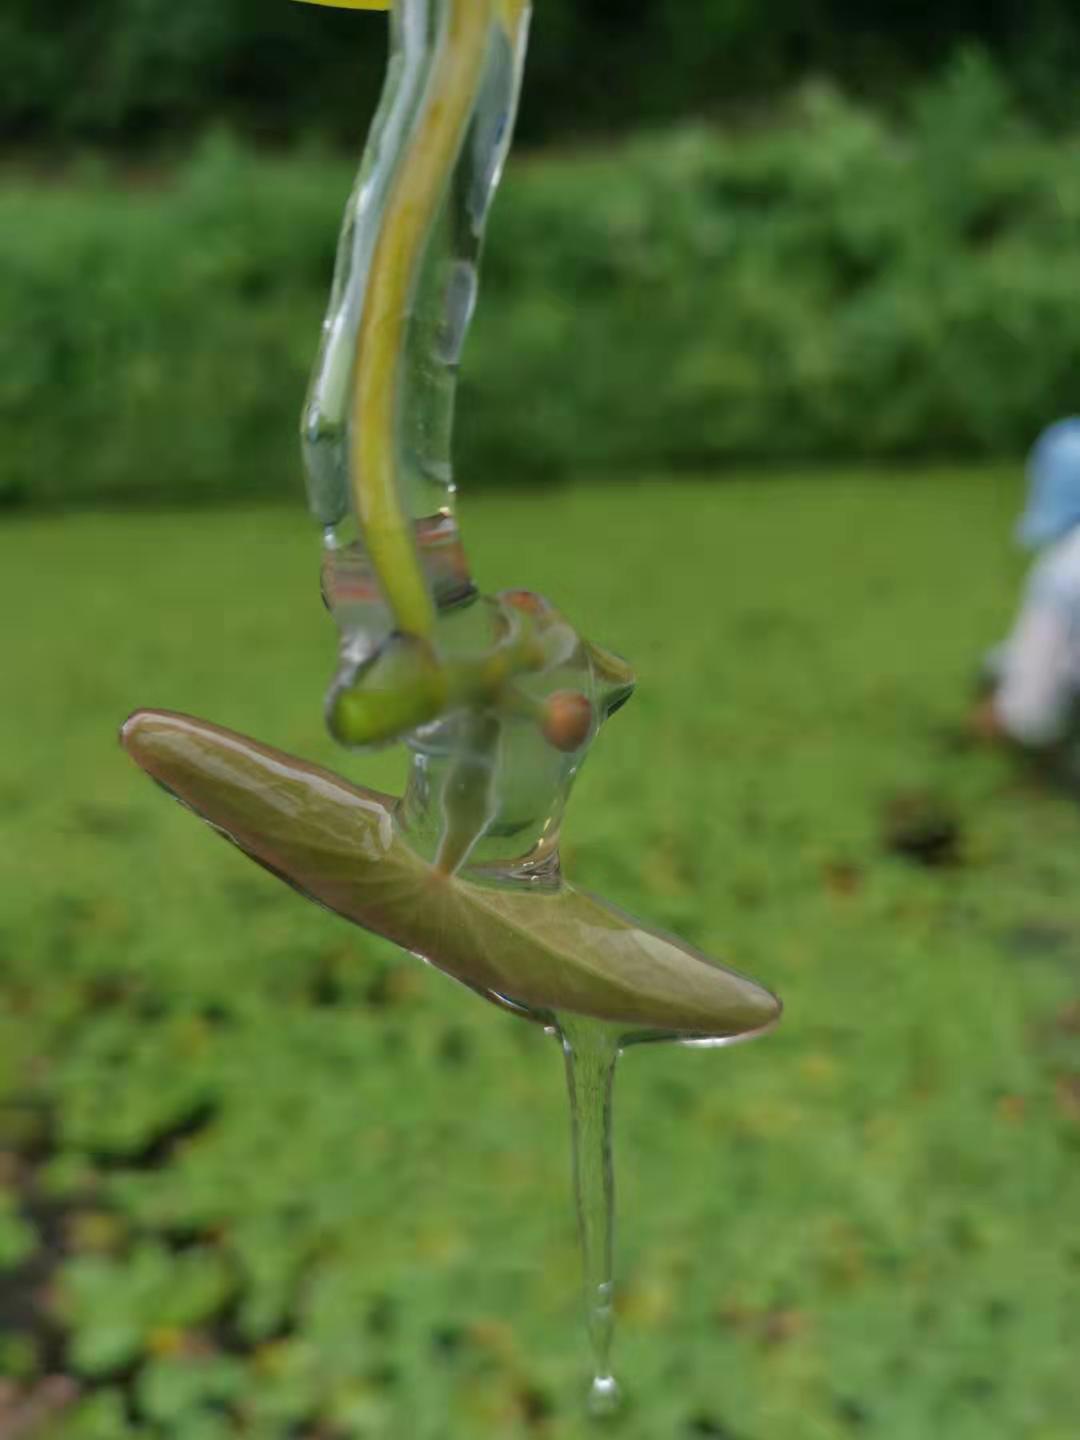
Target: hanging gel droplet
591 1049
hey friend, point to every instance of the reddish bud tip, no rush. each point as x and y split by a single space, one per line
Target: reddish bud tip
567 720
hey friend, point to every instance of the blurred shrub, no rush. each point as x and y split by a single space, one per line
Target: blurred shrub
156 336
831 287
123 71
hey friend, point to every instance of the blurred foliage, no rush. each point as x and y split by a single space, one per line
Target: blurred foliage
834 285
265 1177
132 71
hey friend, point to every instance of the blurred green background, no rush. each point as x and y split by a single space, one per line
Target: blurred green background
775 300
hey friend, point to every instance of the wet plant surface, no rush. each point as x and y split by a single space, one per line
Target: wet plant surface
261 1176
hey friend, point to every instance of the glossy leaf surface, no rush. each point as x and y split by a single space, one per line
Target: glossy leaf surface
547 949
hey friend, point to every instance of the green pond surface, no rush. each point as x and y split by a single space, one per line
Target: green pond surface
262 1176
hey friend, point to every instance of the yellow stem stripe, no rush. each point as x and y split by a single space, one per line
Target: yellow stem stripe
353 4
399 252
510 13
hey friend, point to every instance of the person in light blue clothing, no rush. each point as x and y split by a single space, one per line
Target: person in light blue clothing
1033 680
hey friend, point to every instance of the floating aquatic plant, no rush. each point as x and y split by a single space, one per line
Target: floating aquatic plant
497 698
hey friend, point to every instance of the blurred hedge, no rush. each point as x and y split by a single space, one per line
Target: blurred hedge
125 71
829 288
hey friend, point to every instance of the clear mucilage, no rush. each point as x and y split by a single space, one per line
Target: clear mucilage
497 697
442 287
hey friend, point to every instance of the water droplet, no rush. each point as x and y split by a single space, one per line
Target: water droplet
605 1397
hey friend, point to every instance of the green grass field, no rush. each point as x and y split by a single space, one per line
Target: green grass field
261 1176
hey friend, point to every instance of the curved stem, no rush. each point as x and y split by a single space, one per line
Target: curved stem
399 252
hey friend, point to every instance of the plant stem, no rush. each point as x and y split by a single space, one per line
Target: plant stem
381 345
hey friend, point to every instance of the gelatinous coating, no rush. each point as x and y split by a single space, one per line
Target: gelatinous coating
378 421
499 723
544 948
499 698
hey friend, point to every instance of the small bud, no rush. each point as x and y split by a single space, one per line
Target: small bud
567 720
526 600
